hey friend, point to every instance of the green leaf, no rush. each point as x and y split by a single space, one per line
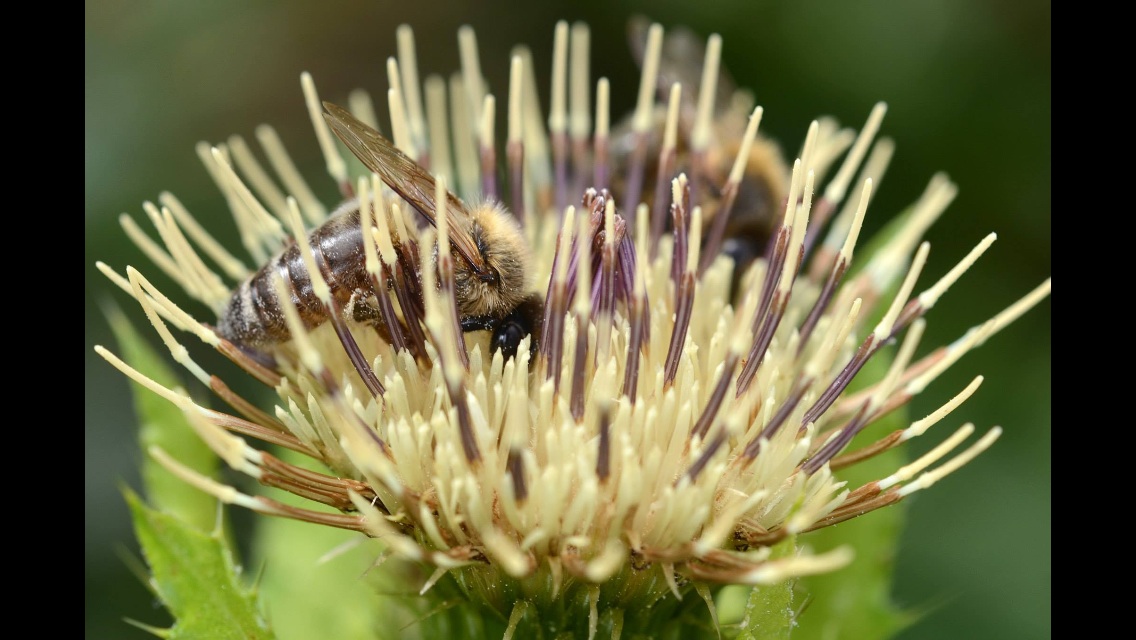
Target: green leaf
769 609
305 597
164 425
769 612
855 602
196 578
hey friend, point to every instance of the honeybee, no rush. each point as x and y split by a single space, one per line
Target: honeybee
491 259
759 201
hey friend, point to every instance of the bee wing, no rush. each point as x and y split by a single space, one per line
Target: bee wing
681 61
409 180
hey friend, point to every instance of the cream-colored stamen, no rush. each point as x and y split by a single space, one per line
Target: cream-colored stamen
642 120
285 169
336 167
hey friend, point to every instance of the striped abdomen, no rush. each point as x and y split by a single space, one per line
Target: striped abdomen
253 316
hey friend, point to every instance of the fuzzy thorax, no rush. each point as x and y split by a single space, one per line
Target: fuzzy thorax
502 246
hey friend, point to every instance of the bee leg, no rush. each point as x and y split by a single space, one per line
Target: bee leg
478 323
507 338
522 322
507 333
743 251
361 308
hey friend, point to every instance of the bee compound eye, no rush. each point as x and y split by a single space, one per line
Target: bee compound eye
489 276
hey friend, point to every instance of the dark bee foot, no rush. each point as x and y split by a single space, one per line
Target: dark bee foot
508 332
507 339
523 321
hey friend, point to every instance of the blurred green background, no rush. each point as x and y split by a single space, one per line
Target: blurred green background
968 88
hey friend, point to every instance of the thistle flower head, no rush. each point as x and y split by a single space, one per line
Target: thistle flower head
633 382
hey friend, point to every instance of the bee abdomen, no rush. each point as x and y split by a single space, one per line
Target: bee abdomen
254 316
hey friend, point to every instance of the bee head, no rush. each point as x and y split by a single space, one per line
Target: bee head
499 288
